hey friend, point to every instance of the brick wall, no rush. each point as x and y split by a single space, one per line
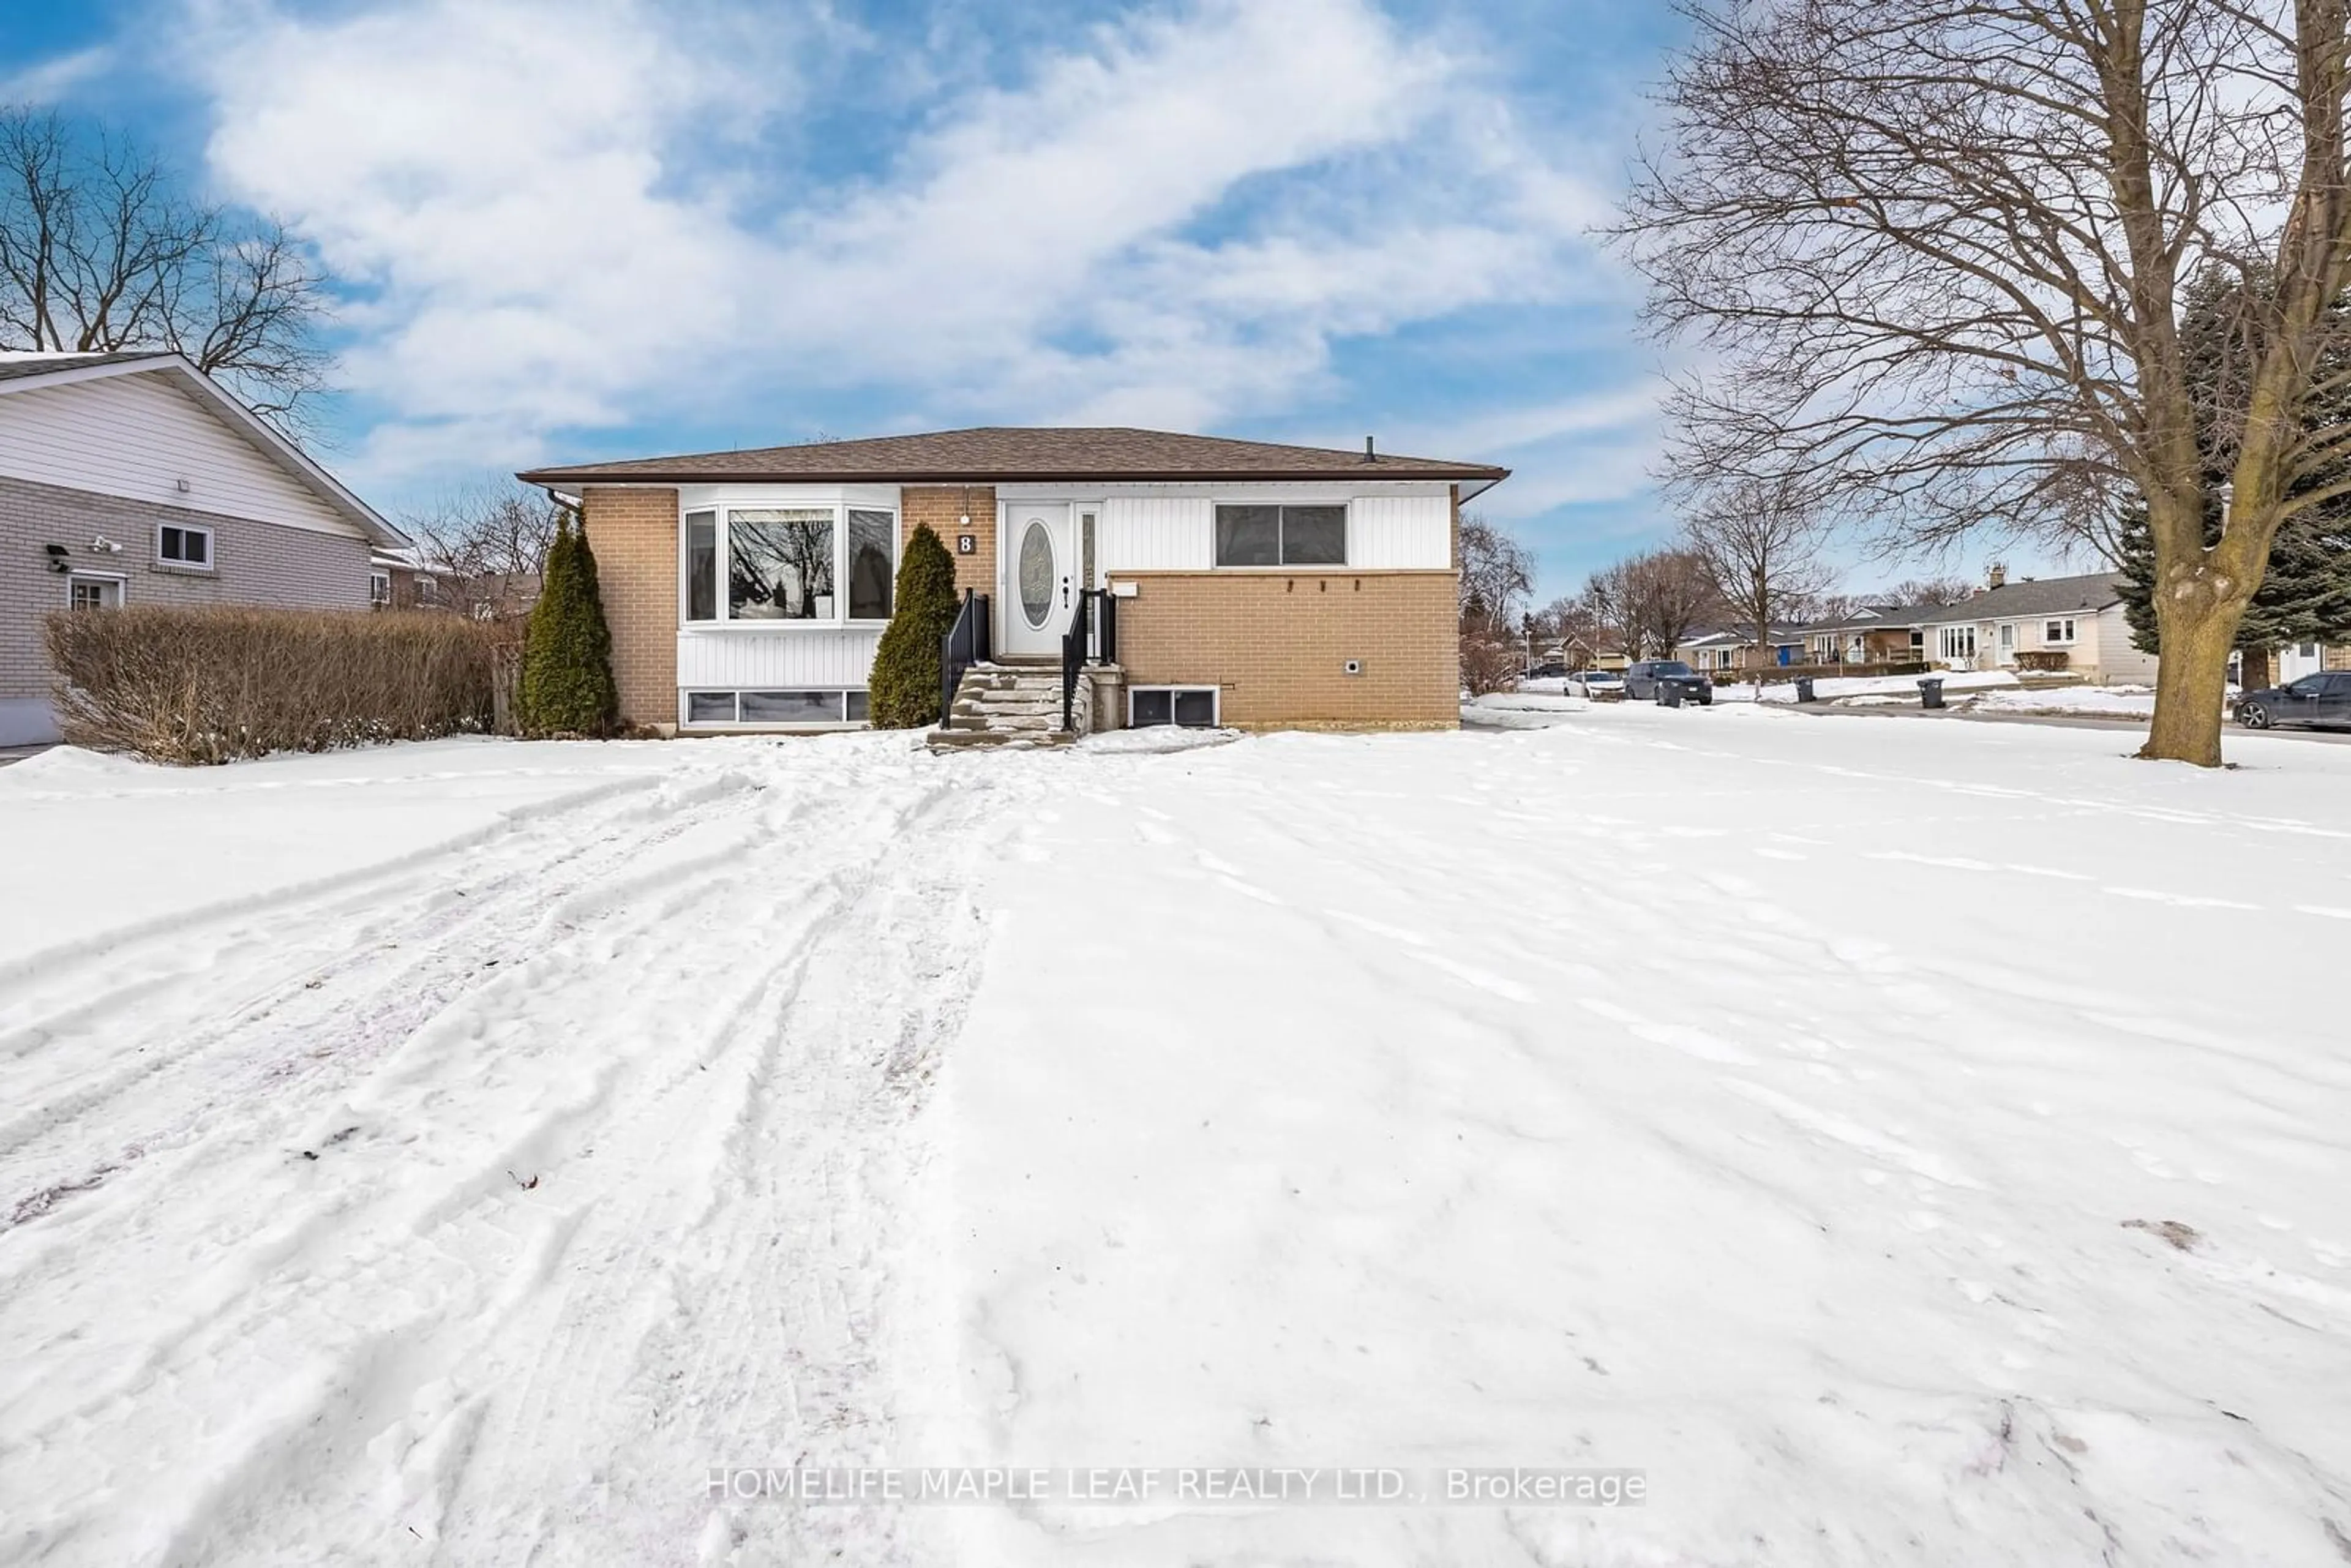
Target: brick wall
253 563
1275 642
634 535
943 506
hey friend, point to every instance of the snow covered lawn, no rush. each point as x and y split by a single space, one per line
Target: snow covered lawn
1917 1144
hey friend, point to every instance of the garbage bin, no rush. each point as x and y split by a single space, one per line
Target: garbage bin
1931 691
1669 691
1804 688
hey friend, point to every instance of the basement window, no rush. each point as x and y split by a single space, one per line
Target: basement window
1192 707
823 705
1260 534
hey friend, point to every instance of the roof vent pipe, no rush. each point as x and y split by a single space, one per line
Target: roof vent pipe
1370 456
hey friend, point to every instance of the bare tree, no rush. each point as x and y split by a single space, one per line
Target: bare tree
1936 249
1926 591
485 545
1759 542
1497 575
101 251
1668 593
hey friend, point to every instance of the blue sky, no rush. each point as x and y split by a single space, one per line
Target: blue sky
565 229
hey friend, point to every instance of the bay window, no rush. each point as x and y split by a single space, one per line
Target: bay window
785 565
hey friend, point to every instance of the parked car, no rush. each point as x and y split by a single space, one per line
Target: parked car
1641 677
1603 683
2321 699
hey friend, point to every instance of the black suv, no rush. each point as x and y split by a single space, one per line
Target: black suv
1642 678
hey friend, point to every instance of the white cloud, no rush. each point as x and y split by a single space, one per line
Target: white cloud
556 213
46 82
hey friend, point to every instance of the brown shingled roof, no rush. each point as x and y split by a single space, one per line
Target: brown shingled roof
1014 455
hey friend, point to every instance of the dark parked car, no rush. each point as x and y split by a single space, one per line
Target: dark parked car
2324 699
1641 678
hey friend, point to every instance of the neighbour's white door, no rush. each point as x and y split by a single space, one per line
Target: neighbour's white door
1040 568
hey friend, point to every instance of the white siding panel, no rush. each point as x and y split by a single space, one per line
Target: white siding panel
1401 532
1157 533
775 661
137 437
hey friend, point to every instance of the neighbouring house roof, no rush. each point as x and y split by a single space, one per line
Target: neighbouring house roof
23 371
1011 455
1738 637
1878 618
2029 597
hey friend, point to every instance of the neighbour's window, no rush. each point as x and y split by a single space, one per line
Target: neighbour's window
379 588
184 544
2058 631
702 566
1282 536
1957 641
94 593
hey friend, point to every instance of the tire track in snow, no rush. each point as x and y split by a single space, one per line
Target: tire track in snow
502 1325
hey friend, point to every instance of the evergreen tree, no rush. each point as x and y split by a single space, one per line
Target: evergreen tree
2306 593
566 659
903 690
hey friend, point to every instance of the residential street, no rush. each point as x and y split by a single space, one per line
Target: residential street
1884 1137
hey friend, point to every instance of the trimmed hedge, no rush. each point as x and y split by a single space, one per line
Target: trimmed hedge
220 683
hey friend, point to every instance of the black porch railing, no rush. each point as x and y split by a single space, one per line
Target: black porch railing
1092 639
965 645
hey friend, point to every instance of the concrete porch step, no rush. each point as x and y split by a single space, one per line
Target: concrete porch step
998 740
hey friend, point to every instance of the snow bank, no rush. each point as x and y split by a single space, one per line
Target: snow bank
2093 702
1832 688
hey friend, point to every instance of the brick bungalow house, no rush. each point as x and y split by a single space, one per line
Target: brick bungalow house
1251 584
134 479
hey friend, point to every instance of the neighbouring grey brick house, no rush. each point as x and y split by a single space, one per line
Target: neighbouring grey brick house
133 478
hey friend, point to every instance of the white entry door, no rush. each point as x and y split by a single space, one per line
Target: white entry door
1040 577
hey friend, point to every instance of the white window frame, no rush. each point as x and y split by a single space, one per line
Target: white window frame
1216 703
212 548
381 600
2008 636
1956 641
119 582
1346 504
2067 622
686 694
841 620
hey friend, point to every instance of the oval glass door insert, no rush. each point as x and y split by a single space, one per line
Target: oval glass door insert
1037 572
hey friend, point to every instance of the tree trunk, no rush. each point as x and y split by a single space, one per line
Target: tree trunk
2198 628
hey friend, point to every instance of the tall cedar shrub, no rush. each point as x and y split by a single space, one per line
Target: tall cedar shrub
567 658
904 687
